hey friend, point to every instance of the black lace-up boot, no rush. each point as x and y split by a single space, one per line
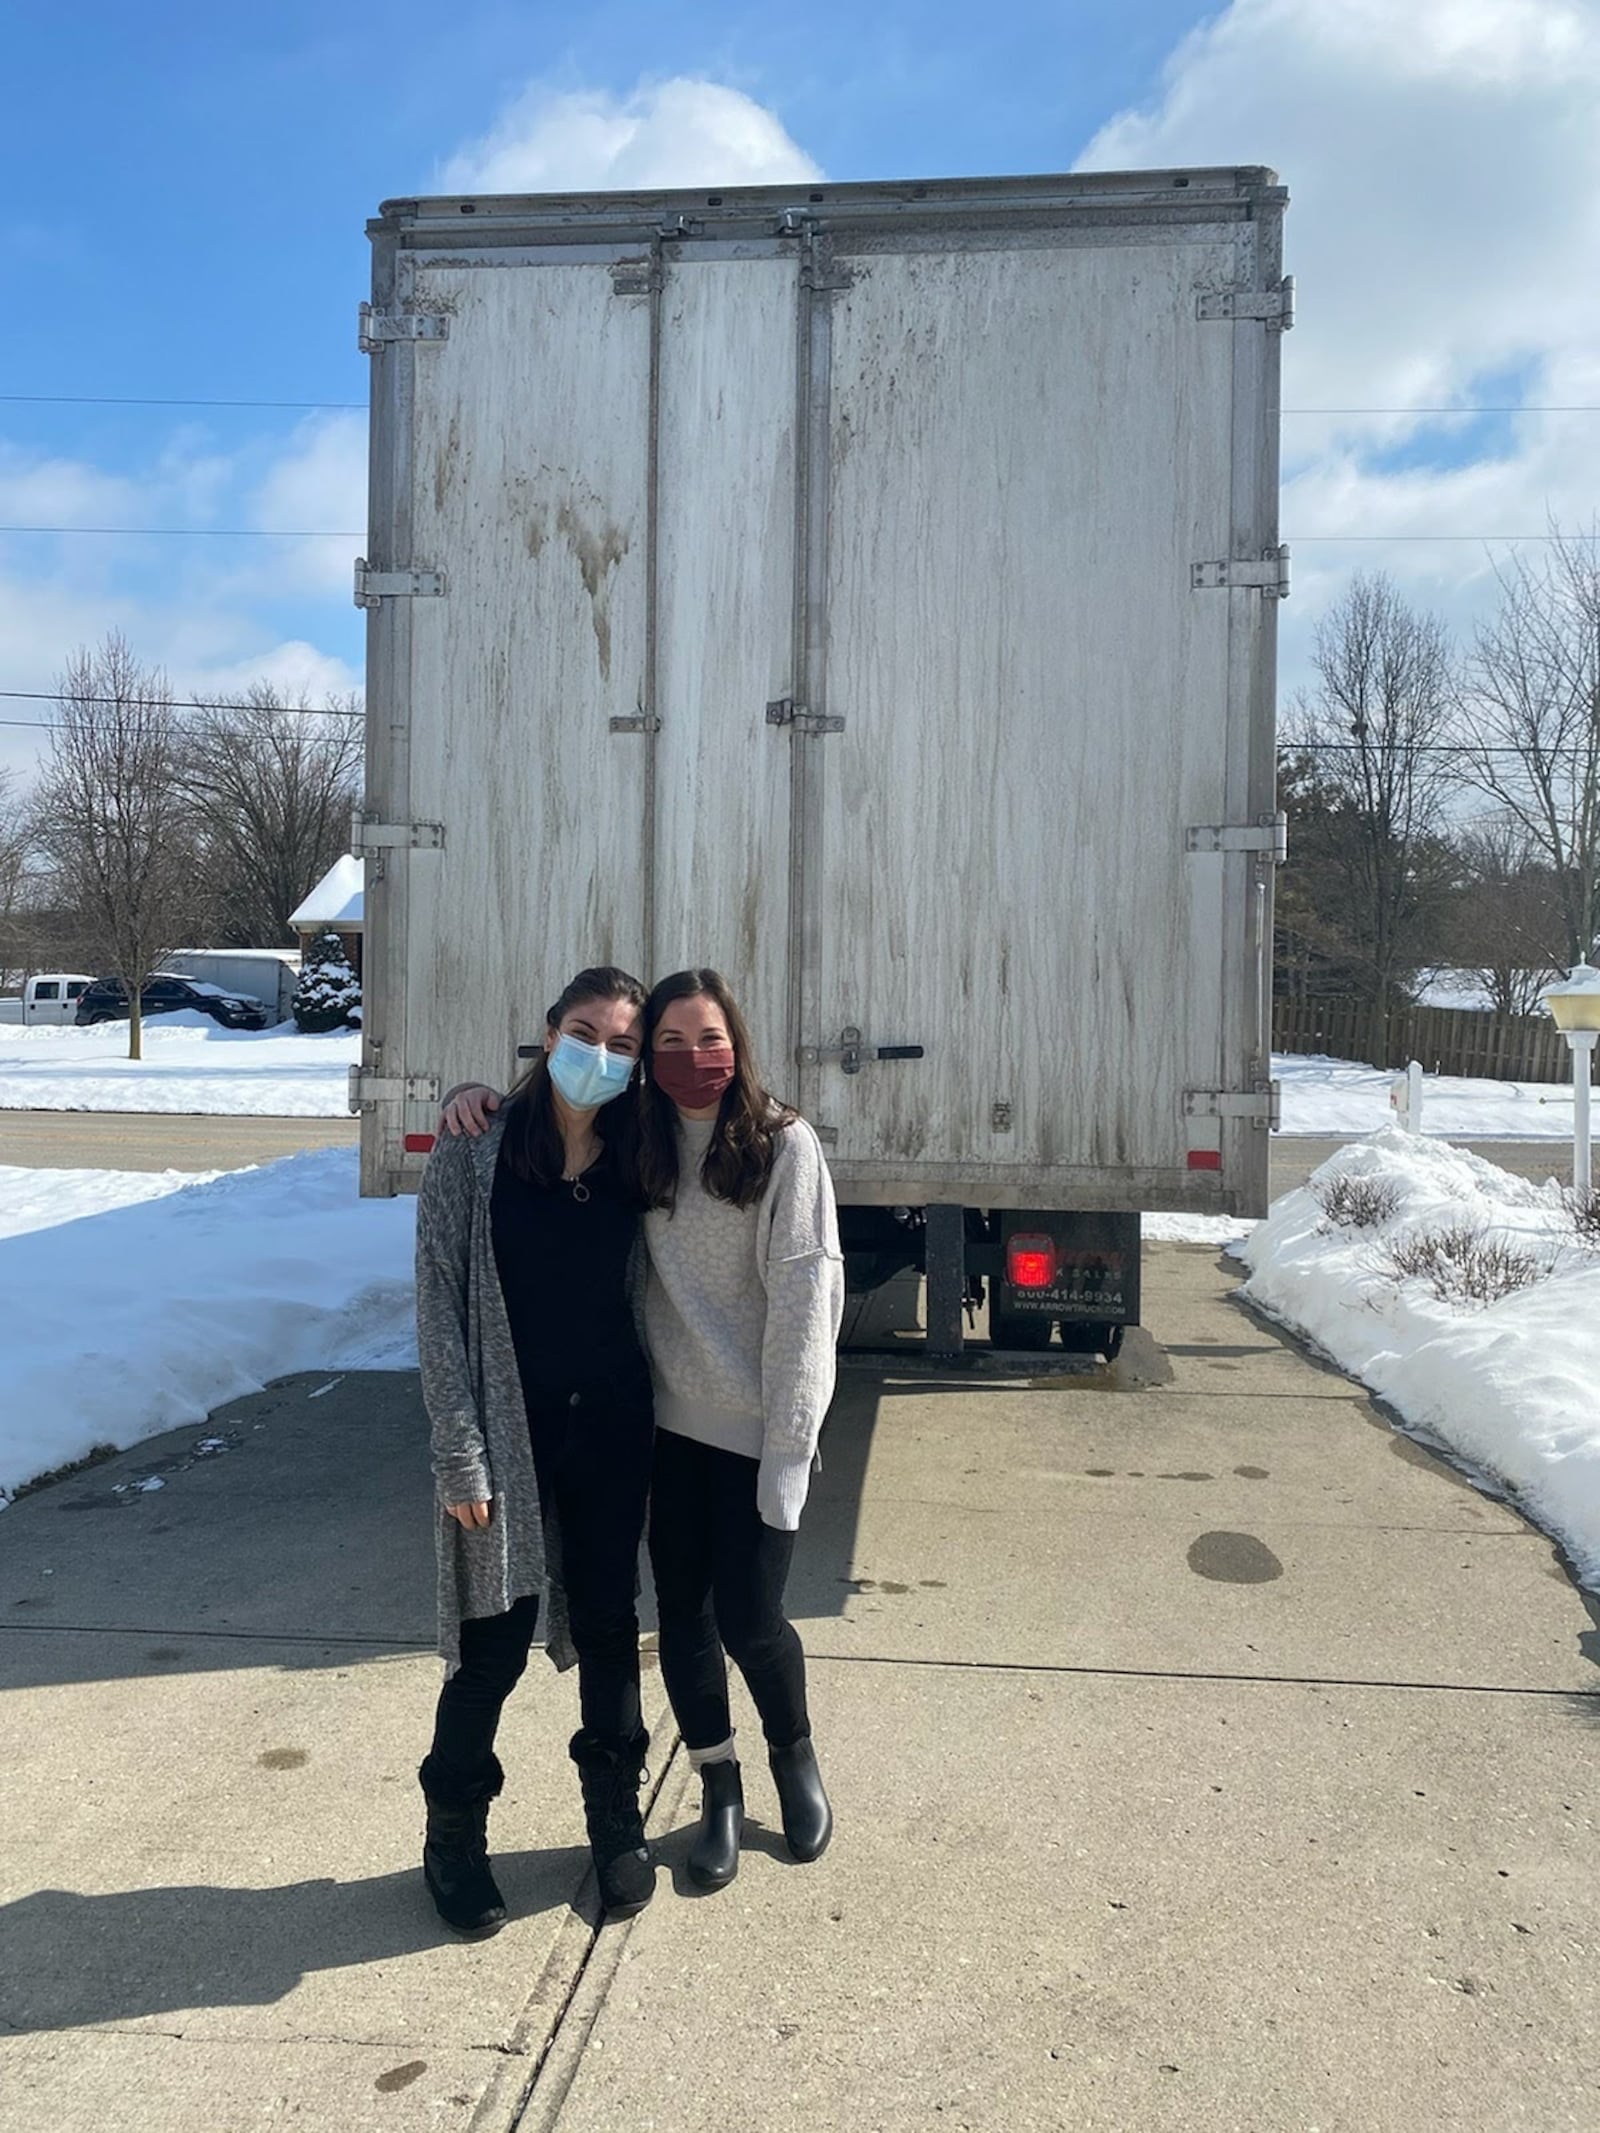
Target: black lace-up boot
714 1854
455 1851
612 1772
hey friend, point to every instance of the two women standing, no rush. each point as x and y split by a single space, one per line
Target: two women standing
530 1272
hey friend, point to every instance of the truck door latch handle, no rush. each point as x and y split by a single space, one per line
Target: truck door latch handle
852 1051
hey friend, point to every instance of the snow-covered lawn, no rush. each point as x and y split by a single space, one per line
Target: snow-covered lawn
150 1300
190 1064
1512 1386
1331 1098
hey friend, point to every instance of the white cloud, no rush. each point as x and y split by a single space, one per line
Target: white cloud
1444 172
665 134
319 481
208 612
36 490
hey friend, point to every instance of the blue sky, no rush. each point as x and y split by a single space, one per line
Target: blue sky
186 188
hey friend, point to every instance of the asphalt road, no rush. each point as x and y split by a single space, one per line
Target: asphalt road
143 1140
154 1140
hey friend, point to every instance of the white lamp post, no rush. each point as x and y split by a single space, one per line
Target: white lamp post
1576 1009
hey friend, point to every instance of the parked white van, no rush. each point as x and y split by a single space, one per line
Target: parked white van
49 996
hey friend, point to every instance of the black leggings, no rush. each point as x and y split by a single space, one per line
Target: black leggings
719 1577
593 1461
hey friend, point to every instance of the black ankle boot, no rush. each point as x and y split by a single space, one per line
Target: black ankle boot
455 1851
612 1772
714 1854
807 1817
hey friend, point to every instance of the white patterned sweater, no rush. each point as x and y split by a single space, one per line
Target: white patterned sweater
742 1313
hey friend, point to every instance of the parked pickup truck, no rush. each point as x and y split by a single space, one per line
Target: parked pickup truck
49 996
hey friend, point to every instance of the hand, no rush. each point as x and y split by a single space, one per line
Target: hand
469 1515
470 1109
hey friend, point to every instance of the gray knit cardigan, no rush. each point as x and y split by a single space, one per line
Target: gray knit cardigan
478 1418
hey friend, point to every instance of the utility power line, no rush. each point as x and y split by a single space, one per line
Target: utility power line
1285 747
201 533
361 406
106 400
325 533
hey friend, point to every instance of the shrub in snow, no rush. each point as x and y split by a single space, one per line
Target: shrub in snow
1357 1203
1584 1208
329 994
1463 1264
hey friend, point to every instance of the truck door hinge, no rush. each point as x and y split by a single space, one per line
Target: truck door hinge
374 586
368 838
379 328
367 1087
1273 307
1269 835
1267 573
786 712
637 722
1260 1106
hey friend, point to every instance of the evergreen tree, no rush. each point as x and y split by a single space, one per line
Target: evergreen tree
328 995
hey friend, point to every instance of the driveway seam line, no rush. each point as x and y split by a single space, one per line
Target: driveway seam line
1140 1673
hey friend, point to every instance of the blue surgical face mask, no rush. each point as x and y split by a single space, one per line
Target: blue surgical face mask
587 1074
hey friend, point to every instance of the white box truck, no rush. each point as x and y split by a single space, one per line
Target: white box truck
869 590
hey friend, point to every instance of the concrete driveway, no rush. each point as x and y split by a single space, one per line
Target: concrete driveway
1205 1755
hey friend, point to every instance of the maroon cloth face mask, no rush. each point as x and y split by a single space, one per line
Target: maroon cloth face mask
695 1078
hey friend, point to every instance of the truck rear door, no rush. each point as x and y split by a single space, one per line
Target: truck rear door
1032 456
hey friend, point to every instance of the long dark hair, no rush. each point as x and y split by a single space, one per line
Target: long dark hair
744 1141
532 1145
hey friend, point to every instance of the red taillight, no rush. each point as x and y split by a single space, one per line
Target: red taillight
1031 1262
419 1143
1205 1158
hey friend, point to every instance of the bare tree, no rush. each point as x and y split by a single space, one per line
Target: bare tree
1532 718
273 784
111 814
13 879
1373 725
1508 927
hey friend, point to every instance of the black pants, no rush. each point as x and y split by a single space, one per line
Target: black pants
719 1576
592 1454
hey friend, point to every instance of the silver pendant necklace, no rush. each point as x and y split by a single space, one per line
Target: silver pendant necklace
574 1178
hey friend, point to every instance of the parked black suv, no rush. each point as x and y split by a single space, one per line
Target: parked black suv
106 1000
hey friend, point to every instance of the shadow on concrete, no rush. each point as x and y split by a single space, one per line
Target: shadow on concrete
71 1961
292 1527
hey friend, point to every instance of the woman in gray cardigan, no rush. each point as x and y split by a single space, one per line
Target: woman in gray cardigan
539 1400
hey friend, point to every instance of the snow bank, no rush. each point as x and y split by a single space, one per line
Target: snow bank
41 1199
190 1064
1511 1387
152 1300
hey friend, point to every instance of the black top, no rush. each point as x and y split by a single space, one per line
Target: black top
563 1264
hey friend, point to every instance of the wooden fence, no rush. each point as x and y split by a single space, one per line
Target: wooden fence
1448 1040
